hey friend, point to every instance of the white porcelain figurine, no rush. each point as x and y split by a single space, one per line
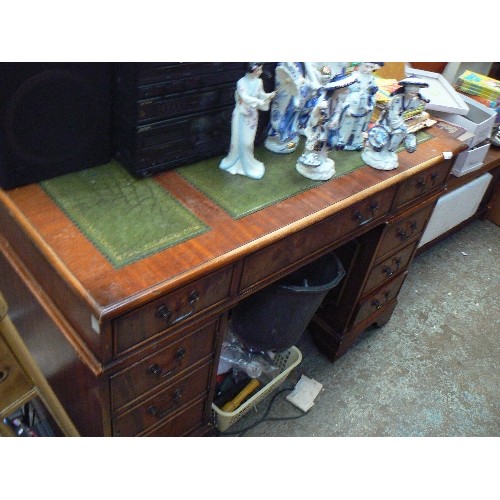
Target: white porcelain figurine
358 108
390 131
314 162
283 136
250 97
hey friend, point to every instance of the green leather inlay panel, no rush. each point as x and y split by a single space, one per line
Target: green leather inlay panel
240 196
125 218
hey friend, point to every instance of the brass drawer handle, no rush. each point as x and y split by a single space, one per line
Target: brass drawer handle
403 235
163 312
377 304
421 183
153 410
4 372
388 270
158 372
361 218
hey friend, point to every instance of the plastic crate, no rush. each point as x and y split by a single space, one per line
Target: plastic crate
286 361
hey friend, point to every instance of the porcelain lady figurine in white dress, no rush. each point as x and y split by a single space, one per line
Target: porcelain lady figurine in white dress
283 135
390 130
314 162
358 109
250 97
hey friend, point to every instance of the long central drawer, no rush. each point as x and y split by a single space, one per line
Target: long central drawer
290 251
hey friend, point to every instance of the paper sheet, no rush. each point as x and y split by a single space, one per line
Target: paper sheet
305 393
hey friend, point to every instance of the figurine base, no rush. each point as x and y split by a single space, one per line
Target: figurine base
315 167
255 171
381 160
276 146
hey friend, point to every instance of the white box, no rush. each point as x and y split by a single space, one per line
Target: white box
470 160
479 121
455 207
442 96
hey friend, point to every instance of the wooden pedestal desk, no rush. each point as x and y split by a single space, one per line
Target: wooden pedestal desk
134 351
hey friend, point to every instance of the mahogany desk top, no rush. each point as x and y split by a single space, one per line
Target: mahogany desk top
108 291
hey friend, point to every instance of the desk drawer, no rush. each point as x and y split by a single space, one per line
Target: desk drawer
377 300
404 230
389 267
13 382
182 424
422 183
161 367
169 311
294 249
161 406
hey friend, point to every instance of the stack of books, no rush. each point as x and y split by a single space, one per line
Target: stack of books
481 88
386 86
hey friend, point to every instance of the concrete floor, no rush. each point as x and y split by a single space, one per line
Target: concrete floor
432 370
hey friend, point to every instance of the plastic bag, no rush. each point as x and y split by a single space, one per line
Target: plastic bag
236 357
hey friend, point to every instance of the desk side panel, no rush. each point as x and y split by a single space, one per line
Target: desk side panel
78 389
78 312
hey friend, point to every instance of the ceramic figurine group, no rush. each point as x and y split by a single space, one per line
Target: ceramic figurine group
328 106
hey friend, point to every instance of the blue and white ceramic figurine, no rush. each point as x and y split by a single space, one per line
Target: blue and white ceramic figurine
250 97
314 162
390 131
291 91
357 109
317 74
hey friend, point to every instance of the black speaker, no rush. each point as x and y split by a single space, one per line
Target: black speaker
55 118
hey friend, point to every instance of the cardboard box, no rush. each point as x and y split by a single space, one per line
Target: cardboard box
479 121
470 160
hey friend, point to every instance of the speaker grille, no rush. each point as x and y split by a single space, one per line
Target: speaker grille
55 120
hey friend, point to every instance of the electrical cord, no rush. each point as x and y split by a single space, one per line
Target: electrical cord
264 418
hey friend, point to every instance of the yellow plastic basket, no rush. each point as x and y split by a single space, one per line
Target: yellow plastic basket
286 361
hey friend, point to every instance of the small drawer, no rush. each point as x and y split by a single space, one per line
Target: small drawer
162 366
188 420
294 249
379 299
169 311
389 267
404 230
422 183
14 385
161 406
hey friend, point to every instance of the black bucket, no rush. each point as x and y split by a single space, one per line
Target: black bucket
275 318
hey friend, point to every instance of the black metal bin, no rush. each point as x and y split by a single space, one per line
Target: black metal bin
276 317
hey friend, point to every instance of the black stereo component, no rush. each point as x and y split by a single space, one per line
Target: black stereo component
166 115
55 118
